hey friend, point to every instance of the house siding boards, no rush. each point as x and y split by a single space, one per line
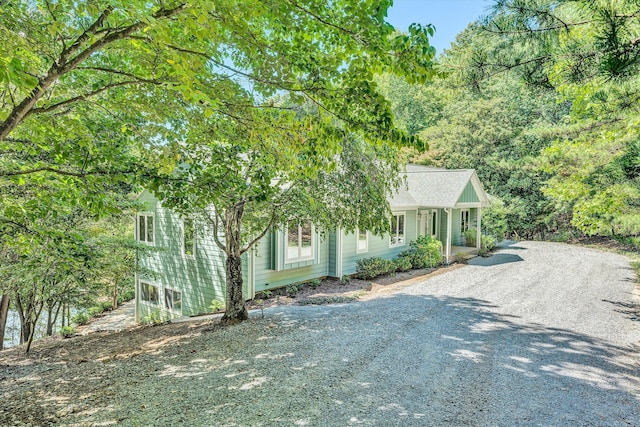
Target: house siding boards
469 195
266 277
378 246
332 255
200 278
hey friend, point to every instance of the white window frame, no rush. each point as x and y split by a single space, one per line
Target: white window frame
465 223
143 239
183 240
288 259
393 244
166 293
140 293
358 240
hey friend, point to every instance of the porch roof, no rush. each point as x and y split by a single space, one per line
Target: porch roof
438 188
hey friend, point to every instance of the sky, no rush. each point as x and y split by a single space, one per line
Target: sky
449 17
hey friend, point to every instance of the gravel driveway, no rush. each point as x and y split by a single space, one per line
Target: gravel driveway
537 334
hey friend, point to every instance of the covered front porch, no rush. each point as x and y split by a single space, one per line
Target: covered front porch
449 225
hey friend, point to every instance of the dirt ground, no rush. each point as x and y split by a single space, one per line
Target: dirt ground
56 363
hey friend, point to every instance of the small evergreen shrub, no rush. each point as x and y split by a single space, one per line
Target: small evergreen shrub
293 289
403 263
314 283
67 331
80 318
369 268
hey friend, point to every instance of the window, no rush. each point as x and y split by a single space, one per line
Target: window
299 241
148 292
188 237
464 220
397 230
145 228
363 241
173 299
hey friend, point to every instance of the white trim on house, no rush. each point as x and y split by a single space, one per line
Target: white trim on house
466 205
146 215
393 244
449 212
339 247
465 223
149 303
251 273
165 293
365 248
300 257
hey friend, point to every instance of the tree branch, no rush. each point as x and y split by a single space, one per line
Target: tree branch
85 96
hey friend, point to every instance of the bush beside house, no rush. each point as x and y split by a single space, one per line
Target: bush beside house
423 252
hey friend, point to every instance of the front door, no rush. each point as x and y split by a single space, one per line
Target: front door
433 223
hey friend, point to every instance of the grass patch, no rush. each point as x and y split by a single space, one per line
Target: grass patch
636 268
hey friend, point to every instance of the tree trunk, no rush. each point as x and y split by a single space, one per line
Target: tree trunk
235 311
49 321
24 316
4 312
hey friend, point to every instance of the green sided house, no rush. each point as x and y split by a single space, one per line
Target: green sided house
190 268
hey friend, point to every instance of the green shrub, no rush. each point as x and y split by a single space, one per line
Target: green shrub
216 305
314 283
345 279
80 318
424 252
95 310
494 219
403 263
488 243
293 288
67 331
107 306
369 268
471 237
126 296
155 317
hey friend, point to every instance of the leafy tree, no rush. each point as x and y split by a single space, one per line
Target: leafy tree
247 176
588 52
102 91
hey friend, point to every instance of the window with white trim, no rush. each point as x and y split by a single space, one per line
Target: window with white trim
146 229
464 220
363 241
149 293
173 299
397 237
300 239
188 237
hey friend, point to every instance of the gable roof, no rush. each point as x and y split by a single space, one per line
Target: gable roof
437 188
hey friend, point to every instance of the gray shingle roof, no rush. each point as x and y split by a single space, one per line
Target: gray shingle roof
434 187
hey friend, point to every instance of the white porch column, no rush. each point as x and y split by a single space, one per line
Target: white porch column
478 225
447 252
